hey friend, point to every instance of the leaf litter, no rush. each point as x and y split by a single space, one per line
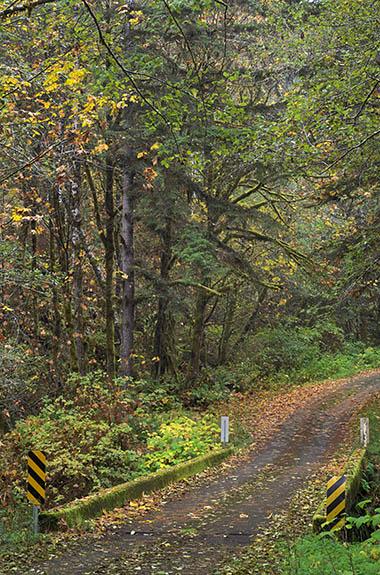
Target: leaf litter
262 415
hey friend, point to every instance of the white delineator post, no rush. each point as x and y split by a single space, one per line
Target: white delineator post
364 431
224 429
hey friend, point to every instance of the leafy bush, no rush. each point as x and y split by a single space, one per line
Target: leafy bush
338 365
181 438
157 396
370 357
240 376
210 388
282 349
98 436
314 555
82 453
90 438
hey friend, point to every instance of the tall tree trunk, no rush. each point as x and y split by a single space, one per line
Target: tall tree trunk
109 265
364 325
62 217
227 327
76 258
109 241
118 282
127 263
57 321
250 325
197 335
61 214
36 318
163 346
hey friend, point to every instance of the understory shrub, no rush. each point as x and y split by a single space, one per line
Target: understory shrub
284 349
98 436
82 454
179 439
276 353
282 355
342 364
312 555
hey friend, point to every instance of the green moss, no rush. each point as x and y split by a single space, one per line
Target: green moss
108 499
353 472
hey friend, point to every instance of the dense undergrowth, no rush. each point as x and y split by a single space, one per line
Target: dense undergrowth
277 357
101 433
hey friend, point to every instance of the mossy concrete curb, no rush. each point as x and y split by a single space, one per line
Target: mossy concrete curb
353 471
93 505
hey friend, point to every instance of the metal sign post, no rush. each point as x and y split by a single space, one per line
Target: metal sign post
224 429
35 519
36 482
364 431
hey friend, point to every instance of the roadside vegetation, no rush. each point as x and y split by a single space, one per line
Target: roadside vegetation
189 217
288 546
101 434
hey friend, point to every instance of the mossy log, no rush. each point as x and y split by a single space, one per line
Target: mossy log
93 505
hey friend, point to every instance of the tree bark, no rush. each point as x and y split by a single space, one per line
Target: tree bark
197 335
127 269
109 265
249 326
57 321
164 331
61 215
77 267
364 325
227 328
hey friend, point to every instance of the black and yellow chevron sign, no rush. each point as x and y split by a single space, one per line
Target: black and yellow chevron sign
36 476
336 502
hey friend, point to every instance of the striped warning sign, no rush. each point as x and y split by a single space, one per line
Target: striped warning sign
336 502
36 476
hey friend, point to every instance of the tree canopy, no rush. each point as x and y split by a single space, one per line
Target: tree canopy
177 176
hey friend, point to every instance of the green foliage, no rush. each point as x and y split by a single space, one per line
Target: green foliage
156 396
298 354
101 435
89 438
369 520
179 438
341 364
313 555
370 357
326 554
278 356
284 349
213 386
82 454
16 526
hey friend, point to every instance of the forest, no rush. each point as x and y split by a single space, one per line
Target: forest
189 213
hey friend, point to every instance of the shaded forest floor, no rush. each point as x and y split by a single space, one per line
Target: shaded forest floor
199 525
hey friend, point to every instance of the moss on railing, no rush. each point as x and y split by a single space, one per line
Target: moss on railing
353 472
93 505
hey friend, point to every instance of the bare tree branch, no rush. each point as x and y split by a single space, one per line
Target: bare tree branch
352 149
14 7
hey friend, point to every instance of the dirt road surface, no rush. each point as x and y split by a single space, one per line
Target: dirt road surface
215 518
